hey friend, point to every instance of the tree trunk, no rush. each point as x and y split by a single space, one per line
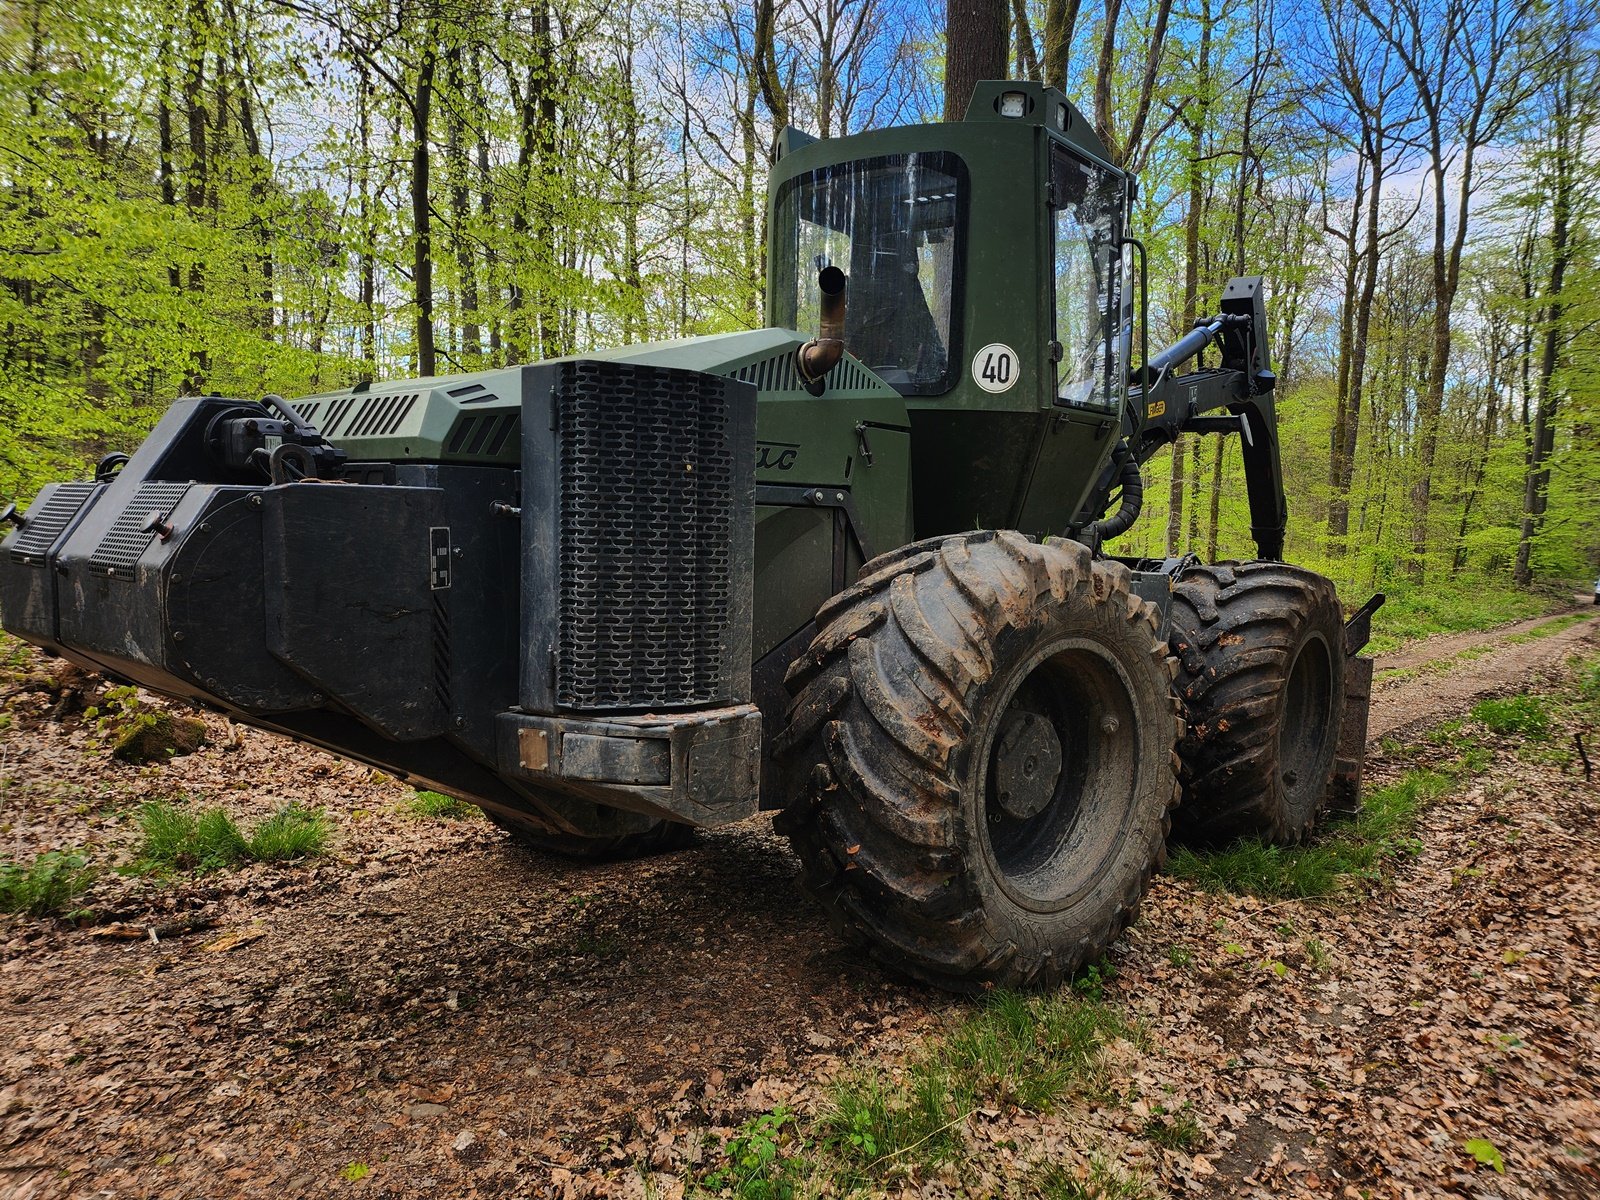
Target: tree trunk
975 49
461 214
1536 484
1060 22
421 210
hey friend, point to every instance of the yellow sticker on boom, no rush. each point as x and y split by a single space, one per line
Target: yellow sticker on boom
1155 409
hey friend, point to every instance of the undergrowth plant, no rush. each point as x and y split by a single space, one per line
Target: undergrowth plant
1350 849
437 805
1011 1051
47 886
185 839
1514 716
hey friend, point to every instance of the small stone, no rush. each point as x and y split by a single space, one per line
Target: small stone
423 1111
467 1146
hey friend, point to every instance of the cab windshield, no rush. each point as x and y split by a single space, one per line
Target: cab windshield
892 224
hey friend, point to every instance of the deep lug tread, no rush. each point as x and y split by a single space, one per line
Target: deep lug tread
877 813
1234 631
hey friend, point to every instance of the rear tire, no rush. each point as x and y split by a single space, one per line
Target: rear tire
1260 650
661 837
980 759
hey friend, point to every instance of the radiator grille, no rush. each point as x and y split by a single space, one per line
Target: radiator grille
647 482
125 541
49 521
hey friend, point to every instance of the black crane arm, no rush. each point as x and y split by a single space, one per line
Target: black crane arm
1162 404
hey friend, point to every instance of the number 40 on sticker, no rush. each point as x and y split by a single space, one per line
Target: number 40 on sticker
994 368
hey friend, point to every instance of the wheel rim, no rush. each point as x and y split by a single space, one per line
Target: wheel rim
1060 775
1307 727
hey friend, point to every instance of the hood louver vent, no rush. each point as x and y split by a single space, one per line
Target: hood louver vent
777 374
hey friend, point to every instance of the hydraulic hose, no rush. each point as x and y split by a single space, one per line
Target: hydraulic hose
1128 507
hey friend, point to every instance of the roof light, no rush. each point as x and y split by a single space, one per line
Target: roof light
1013 104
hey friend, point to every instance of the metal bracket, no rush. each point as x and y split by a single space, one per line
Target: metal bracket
1358 629
818 497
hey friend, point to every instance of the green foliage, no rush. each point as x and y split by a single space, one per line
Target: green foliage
290 833
181 839
1521 716
1351 849
1091 981
437 805
1174 1130
1251 868
763 1160
47 886
185 839
1455 605
1101 1181
1022 1051
354 1172
1486 1153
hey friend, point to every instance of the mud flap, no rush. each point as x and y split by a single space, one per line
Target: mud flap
1344 793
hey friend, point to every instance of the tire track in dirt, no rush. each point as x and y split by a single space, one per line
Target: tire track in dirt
1444 645
1405 705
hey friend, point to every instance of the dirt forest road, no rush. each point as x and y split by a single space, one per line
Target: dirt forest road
430 1011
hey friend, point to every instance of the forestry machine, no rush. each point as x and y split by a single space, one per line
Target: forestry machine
852 567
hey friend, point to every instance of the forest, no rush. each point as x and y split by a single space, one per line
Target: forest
244 196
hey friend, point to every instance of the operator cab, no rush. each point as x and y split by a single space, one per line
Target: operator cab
987 286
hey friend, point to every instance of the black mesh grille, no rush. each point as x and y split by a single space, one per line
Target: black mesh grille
647 479
47 523
125 541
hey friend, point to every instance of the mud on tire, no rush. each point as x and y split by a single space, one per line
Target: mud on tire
980 759
1260 650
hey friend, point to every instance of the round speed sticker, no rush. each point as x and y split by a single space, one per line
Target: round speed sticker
994 368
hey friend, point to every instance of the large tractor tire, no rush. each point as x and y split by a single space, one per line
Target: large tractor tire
980 759
1260 650
658 837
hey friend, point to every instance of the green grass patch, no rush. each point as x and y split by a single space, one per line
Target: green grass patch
763 1160
1345 850
1518 716
1010 1051
1099 1181
290 833
438 806
1026 1051
185 839
1174 1130
47 886
1470 604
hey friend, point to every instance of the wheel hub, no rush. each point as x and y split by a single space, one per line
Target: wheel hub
1027 764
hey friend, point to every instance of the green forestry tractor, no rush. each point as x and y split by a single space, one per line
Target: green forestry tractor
855 573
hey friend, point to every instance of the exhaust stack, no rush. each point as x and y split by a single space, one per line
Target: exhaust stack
822 353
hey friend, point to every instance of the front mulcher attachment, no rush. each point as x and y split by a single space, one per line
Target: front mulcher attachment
239 562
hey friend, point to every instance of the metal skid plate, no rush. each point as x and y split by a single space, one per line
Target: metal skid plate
703 768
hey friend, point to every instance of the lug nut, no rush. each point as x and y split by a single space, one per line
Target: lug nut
1109 725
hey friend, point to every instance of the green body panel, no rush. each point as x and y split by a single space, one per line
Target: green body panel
906 467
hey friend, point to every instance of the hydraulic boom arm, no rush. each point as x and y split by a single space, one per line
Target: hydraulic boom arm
1162 404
